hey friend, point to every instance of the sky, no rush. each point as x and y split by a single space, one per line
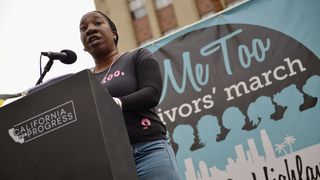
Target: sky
29 27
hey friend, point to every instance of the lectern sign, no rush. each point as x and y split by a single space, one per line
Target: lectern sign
46 122
66 123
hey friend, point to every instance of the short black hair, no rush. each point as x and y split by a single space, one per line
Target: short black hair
112 26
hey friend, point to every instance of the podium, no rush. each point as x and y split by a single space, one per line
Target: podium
69 130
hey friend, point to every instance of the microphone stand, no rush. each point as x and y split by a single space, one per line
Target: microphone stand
46 69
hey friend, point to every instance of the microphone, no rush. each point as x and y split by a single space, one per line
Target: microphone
65 56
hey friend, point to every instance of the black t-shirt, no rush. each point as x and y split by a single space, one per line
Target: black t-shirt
135 78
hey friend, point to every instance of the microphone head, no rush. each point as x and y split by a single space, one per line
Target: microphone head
71 57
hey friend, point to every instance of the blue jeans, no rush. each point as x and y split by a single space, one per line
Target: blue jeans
155 160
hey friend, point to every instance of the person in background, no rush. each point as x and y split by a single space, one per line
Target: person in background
134 81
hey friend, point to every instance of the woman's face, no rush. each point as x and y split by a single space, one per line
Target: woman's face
96 34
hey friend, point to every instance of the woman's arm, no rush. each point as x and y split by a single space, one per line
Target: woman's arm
149 81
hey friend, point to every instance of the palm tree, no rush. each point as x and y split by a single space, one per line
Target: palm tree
289 140
280 148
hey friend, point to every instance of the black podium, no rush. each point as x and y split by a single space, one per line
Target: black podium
69 130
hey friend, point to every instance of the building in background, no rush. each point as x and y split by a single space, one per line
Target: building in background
143 21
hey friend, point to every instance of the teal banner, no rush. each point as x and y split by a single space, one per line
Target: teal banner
241 93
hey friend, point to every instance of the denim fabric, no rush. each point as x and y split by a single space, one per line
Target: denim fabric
155 160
